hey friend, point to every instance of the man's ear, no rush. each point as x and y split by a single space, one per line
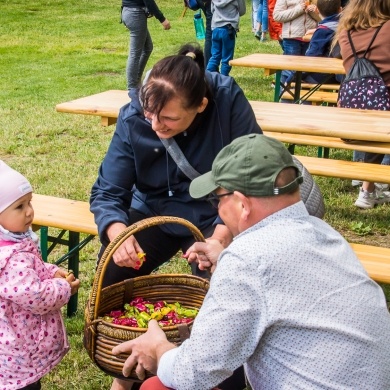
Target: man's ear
203 105
246 204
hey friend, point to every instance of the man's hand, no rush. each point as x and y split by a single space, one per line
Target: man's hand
145 351
205 253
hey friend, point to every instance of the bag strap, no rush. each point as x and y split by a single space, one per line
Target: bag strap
369 46
178 157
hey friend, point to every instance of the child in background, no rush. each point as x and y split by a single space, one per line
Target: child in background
297 17
32 334
322 38
224 26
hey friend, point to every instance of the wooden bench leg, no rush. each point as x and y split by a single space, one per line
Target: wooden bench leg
73 264
44 233
106 121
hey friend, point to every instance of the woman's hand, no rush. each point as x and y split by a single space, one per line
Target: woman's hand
127 254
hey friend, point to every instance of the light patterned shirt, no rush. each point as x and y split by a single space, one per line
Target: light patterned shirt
290 299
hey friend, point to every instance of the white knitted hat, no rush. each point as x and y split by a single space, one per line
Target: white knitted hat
13 185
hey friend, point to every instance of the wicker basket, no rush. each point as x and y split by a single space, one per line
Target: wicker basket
101 336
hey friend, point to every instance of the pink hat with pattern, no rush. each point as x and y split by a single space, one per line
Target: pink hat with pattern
13 185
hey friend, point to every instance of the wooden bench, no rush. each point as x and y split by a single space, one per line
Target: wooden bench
70 216
330 142
75 217
346 169
316 98
322 87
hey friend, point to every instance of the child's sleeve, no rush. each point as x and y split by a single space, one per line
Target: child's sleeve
27 287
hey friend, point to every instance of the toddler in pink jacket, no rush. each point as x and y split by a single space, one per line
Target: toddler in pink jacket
32 333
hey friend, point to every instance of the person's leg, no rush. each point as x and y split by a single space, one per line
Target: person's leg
264 20
290 47
146 52
119 384
153 384
216 51
228 43
208 33
33 386
369 195
255 9
136 22
259 16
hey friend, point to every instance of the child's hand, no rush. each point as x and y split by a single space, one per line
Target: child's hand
61 273
73 282
312 8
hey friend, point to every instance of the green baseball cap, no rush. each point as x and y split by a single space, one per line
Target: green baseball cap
250 164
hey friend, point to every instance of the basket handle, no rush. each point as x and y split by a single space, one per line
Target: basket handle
117 242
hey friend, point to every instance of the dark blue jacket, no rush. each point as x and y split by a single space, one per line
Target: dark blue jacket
320 43
138 171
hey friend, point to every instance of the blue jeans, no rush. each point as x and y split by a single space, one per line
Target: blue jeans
222 49
359 156
140 47
255 8
292 47
262 15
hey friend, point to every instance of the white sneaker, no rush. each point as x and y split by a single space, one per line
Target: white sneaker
381 186
356 183
368 200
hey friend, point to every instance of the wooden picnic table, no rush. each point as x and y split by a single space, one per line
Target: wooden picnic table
360 125
346 123
275 63
105 104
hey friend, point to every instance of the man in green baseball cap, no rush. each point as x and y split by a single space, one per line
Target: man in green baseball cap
250 164
288 298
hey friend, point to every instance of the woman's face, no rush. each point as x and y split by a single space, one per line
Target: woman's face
173 118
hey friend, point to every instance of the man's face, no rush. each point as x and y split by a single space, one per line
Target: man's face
229 210
18 217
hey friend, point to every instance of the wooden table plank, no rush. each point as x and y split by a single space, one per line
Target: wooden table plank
362 125
105 104
274 62
64 214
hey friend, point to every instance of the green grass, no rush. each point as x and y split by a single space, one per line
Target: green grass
53 51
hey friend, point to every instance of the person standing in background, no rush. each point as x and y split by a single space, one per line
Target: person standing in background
224 25
134 16
296 16
274 27
362 19
262 21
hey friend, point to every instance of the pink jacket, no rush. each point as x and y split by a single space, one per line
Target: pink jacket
32 333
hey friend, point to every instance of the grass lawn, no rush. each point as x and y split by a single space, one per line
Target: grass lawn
53 51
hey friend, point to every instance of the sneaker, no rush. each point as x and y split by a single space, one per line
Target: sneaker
381 186
356 183
263 37
258 35
368 200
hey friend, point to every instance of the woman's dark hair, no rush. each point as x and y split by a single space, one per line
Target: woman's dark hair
181 75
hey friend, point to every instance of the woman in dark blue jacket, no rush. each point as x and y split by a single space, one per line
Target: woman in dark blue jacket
202 112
